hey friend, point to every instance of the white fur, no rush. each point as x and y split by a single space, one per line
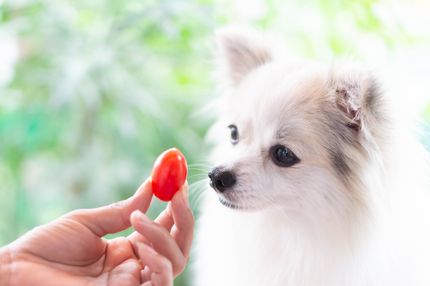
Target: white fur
304 226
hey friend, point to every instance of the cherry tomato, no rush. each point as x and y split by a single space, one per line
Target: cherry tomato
168 174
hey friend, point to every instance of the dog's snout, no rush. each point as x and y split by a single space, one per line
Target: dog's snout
221 179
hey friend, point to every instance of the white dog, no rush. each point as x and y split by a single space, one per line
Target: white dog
314 184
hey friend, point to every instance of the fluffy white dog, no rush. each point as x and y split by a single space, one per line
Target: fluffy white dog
314 183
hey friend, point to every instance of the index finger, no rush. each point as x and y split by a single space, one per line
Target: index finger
114 217
183 229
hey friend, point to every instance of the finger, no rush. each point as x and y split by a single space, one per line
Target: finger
127 273
160 266
165 219
145 274
160 239
115 217
118 249
183 230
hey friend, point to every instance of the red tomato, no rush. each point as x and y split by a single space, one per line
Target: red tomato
168 174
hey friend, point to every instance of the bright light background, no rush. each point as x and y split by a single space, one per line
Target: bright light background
92 91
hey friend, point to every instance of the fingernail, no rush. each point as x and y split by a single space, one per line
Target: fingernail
185 193
135 214
142 188
144 219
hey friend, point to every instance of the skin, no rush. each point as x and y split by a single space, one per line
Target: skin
72 251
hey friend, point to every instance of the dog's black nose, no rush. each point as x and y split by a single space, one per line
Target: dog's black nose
221 179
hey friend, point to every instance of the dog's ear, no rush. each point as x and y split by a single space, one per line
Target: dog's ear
356 94
240 51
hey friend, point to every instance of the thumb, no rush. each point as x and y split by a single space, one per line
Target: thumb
115 217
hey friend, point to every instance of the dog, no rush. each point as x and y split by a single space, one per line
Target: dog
313 183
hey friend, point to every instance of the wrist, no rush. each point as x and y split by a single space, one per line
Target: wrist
5 266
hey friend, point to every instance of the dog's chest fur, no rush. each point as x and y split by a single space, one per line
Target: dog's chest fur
248 249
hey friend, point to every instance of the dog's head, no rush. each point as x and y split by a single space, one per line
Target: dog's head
293 135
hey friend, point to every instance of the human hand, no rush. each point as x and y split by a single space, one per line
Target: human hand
72 251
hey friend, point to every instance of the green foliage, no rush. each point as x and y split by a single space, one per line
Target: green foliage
100 88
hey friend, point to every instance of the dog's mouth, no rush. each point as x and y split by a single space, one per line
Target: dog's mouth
229 204
235 206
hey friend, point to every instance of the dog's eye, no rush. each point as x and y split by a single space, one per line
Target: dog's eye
282 156
234 134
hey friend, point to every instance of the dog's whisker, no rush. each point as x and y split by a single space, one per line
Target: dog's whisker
196 190
195 185
204 169
197 177
203 165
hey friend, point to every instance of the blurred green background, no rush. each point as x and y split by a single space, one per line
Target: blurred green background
92 91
